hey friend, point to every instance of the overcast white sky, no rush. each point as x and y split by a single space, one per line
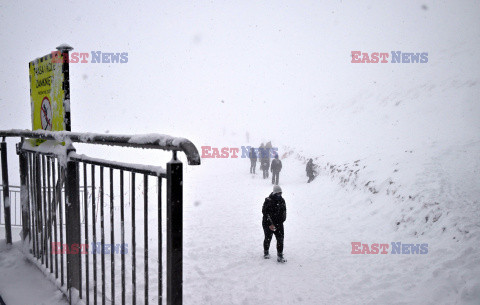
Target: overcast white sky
277 65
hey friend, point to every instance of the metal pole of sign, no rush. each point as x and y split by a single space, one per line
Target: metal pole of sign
64 49
24 196
6 192
72 207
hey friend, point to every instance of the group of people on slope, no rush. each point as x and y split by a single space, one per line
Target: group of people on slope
276 165
264 153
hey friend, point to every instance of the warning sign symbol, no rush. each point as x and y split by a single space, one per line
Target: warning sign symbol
46 114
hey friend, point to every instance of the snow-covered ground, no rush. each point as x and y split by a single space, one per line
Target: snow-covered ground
21 282
223 240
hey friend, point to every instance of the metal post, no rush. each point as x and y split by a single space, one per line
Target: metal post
174 232
64 49
6 193
72 221
24 192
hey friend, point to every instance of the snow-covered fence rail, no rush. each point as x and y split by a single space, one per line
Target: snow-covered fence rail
16 209
57 229
14 200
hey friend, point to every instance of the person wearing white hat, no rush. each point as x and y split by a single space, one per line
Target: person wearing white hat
274 212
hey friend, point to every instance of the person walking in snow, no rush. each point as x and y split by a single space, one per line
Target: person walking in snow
264 161
253 160
276 167
274 212
310 170
268 149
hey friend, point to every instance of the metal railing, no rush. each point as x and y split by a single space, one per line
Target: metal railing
58 229
16 208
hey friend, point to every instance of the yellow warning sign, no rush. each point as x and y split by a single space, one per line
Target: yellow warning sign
47 94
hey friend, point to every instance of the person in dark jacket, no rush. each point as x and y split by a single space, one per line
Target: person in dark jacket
274 215
310 170
253 160
263 165
276 167
268 149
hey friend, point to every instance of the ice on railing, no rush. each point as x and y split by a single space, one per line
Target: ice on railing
158 170
152 138
160 139
155 141
49 147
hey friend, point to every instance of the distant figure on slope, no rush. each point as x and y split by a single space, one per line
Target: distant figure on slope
268 151
276 167
253 160
264 163
311 173
274 215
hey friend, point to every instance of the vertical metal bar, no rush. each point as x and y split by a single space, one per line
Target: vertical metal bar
73 228
38 196
6 193
15 205
85 200
23 165
60 210
160 282
29 198
49 204
122 230
80 252
55 209
145 234
64 49
94 230
174 232
102 232
112 240
33 190
45 224
35 181
134 263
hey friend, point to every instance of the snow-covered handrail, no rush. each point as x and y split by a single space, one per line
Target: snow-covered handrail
153 141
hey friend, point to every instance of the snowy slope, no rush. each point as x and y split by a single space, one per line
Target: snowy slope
224 263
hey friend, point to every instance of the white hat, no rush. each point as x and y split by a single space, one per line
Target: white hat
277 189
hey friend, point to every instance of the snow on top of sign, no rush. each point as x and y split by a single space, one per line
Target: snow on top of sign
64 46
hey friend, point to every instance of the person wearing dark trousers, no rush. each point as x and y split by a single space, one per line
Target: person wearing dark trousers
268 150
264 163
253 160
274 212
276 167
310 171
265 167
